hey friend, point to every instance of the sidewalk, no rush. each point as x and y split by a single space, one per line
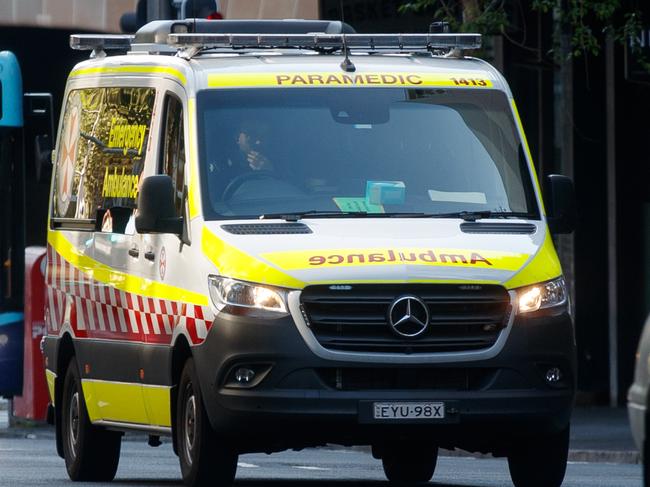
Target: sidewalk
602 435
597 435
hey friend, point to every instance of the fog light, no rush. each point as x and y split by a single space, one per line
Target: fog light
244 375
553 375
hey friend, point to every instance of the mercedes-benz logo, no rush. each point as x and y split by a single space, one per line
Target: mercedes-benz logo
408 316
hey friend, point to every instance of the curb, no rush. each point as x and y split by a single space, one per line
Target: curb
604 456
575 455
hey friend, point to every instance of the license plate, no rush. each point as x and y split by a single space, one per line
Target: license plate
408 410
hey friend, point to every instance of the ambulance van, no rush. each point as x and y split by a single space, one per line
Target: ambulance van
271 235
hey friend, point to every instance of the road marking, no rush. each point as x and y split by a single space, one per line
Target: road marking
304 467
246 465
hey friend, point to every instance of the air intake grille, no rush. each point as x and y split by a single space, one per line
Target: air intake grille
355 318
266 228
508 228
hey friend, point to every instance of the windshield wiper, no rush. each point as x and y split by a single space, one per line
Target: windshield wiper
470 216
299 215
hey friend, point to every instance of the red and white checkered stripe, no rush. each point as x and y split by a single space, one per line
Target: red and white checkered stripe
99 310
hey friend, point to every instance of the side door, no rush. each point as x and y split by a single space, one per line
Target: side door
117 143
166 262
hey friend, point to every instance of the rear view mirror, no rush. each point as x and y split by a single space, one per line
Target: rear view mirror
156 210
561 208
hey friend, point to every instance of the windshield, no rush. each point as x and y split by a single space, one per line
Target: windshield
371 150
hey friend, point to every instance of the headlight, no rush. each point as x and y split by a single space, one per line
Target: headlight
542 295
226 292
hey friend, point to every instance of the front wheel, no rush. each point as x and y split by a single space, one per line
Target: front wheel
540 462
410 465
203 461
91 453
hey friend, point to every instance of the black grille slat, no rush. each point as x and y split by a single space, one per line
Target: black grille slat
414 344
461 317
397 378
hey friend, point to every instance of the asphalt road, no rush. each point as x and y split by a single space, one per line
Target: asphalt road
33 462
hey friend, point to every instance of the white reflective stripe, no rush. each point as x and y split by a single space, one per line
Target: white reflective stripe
201 329
155 313
189 311
100 316
111 319
60 273
132 320
89 310
81 325
81 284
61 302
144 323
167 321
122 319
51 307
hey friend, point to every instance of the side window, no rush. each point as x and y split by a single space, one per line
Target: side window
101 154
173 150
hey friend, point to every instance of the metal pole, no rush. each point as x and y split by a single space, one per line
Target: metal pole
612 251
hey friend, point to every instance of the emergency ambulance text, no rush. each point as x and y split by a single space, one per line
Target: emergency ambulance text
394 256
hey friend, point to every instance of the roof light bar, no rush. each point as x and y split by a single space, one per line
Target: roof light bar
365 42
100 42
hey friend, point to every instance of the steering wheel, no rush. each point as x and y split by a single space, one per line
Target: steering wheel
238 181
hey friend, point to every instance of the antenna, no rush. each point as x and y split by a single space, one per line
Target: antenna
194 13
346 64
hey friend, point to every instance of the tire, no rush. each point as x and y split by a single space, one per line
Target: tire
91 453
409 465
540 462
203 461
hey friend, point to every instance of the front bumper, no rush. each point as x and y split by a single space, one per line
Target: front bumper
307 400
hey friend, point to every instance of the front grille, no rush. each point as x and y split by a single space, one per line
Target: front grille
355 318
381 378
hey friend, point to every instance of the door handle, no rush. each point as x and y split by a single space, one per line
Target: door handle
149 255
134 252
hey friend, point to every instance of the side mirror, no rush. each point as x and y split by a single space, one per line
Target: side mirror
156 210
560 204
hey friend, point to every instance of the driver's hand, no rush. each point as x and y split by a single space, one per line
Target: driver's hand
257 161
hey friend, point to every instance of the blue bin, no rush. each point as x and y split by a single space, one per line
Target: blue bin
11 354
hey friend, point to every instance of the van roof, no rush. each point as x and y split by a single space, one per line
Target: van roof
206 55
263 69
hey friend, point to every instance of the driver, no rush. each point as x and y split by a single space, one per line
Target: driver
247 155
251 141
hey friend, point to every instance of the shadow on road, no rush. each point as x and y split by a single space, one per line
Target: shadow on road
282 483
